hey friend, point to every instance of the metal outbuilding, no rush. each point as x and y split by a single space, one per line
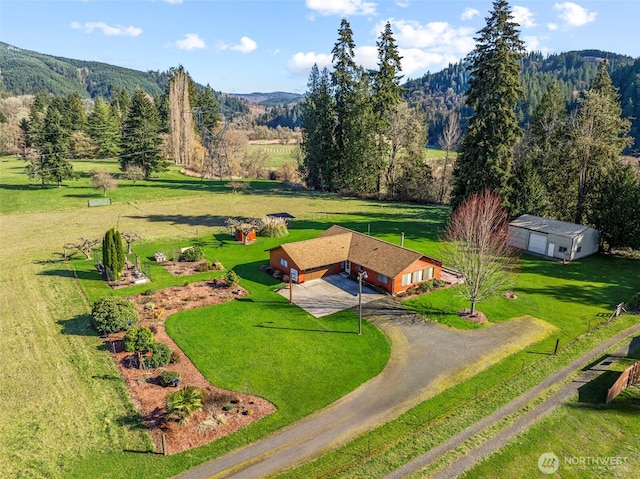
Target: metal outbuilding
553 238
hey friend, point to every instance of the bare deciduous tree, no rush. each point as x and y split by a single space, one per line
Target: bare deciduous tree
85 246
476 245
130 237
181 132
103 180
449 140
133 173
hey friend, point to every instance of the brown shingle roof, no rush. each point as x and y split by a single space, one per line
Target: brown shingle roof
319 251
339 244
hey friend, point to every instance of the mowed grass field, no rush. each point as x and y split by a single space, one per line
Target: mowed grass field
66 410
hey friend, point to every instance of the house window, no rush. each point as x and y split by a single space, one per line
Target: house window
406 279
428 274
417 276
579 249
562 249
382 279
283 263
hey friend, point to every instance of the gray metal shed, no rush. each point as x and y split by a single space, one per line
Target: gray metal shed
553 238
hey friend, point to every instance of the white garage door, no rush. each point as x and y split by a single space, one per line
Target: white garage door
537 243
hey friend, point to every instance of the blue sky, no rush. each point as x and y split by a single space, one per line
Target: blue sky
244 46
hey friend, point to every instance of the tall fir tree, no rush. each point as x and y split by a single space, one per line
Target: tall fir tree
615 209
354 132
140 141
319 165
387 95
104 129
486 153
52 144
598 135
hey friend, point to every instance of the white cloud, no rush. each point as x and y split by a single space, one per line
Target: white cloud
434 35
300 64
367 56
108 30
417 60
402 4
246 45
342 7
573 15
191 41
523 16
552 26
469 13
174 2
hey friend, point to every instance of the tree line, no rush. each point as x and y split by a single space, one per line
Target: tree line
129 128
360 135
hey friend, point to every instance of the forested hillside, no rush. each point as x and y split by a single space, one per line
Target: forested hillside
26 72
436 93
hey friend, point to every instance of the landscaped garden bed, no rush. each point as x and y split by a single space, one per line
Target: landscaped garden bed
223 412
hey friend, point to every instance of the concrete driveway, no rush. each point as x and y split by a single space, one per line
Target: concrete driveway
321 297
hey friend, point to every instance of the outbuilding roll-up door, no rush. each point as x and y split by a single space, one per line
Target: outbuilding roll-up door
537 243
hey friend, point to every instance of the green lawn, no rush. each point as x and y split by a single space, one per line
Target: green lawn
584 427
278 154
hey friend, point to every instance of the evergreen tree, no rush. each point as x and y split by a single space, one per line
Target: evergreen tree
354 133
52 144
387 95
75 114
140 141
35 125
486 154
113 253
529 192
104 129
544 150
119 249
206 100
616 207
319 166
598 135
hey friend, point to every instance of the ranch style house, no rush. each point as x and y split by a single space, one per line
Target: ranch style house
341 250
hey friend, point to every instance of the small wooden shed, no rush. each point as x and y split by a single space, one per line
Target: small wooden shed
553 238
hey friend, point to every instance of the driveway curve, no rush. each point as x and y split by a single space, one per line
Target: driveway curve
424 358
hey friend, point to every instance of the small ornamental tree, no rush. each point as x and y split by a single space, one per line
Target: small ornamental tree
103 180
111 315
231 278
476 245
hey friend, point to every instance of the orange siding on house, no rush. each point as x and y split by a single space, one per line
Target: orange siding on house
276 255
396 285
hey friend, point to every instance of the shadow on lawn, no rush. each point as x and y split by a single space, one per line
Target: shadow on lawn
267 324
79 325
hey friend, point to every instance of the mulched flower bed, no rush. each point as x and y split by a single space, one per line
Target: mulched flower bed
224 412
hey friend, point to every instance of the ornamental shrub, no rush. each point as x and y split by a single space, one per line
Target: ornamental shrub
192 254
231 278
139 339
181 404
111 315
167 377
160 355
